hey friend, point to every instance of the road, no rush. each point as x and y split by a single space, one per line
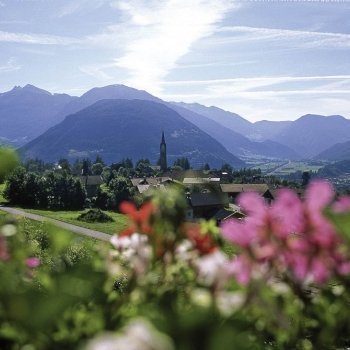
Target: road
73 228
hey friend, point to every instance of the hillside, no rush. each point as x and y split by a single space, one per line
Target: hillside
267 129
117 129
336 169
340 151
233 141
117 91
27 112
227 119
312 134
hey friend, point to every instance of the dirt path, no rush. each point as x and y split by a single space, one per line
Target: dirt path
73 228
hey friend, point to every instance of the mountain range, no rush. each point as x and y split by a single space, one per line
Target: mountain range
116 129
28 112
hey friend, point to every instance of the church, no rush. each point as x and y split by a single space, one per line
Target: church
163 156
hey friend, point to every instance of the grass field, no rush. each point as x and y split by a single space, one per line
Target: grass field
293 167
120 221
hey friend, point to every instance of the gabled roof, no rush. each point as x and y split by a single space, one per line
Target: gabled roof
200 180
144 188
91 180
238 188
207 199
150 181
224 214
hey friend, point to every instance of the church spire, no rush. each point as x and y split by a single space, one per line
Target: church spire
163 157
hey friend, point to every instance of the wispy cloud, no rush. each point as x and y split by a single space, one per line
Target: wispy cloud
40 39
2 4
306 39
161 32
245 84
98 71
77 5
273 98
10 66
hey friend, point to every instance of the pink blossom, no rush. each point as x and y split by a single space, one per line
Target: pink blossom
241 268
299 265
318 195
319 270
253 204
342 205
290 235
32 262
287 213
4 253
240 233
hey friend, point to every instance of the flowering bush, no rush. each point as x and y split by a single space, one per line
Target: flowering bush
277 279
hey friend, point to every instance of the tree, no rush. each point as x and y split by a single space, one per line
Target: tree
120 189
86 168
97 168
8 162
99 160
15 186
305 178
64 165
183 162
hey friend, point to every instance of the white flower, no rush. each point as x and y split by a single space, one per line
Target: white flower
229 302
139 334
8 230
135 249
213 269
185 252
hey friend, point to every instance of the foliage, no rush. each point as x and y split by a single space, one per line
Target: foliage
52 190
182 162
95 215
279 279
8 161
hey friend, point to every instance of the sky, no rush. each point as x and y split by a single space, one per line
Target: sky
262 59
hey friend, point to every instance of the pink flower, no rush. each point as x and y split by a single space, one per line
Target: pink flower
287 213
342 205
242 234
318 195
319 270
32 262
291 235
4 253
241 268
254 205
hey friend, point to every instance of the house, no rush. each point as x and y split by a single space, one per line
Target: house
205 205
91 184
234 190
143 184
228 213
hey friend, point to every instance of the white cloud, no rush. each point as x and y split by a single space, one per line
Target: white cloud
304 39
77 5
97 71
2 4
41 39
159 33
263 98
10 66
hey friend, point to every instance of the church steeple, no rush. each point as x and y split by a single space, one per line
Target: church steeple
163 158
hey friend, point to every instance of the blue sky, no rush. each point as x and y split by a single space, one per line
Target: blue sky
275 60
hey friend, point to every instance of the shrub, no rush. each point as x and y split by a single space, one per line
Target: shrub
95 215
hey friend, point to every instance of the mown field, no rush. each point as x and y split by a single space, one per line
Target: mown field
71 216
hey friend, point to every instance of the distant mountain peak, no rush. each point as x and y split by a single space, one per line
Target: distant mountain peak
29 88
